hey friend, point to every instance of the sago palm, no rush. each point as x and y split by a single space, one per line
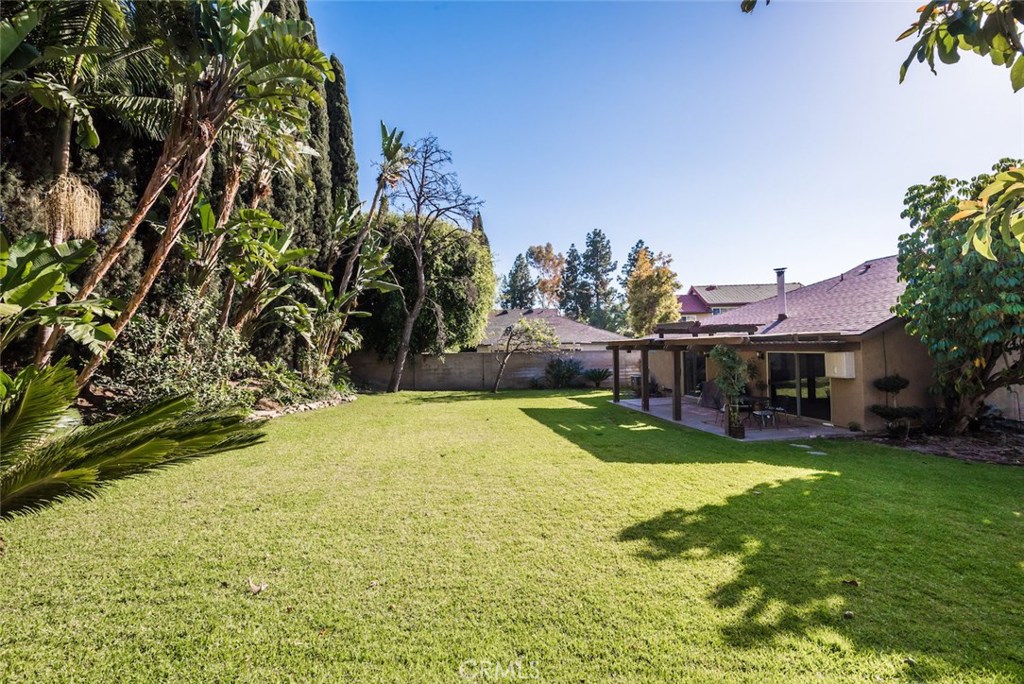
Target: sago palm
44 459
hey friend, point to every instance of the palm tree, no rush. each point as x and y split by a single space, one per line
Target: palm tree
45 459
239 60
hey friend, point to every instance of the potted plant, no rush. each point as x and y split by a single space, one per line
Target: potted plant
732 381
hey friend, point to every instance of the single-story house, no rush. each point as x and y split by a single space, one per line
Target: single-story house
476 369
704 301
817 348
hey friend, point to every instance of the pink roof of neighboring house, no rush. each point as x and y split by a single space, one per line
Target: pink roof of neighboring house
692 304
851 303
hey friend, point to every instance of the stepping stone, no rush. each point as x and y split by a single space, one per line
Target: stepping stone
816 453
801 446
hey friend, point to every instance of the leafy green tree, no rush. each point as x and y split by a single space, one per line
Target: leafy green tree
550 264
651 292
518 288
524 337
268 275
344 168
575 296
432 200
627 268
598 268
460 280
966 309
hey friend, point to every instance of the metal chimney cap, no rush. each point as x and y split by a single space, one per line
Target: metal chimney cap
780 270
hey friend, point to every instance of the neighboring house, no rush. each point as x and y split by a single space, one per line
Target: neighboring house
818 348
703 301
573 335
475 370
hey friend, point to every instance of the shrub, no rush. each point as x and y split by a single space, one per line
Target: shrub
284 386
597 375
180 353
561 371
891 384
855 426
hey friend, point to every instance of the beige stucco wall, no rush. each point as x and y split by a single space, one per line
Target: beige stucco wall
476 370
890 352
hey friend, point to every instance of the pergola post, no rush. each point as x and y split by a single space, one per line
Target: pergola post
677 384
615 374
645 385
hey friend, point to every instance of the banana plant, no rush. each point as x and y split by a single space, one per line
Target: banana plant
268 275
49 456
331 339
35 289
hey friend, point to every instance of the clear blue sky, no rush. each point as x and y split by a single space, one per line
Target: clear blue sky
736 143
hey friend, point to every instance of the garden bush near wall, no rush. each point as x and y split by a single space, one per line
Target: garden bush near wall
180 352
562 371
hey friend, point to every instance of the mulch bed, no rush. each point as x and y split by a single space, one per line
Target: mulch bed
1000 444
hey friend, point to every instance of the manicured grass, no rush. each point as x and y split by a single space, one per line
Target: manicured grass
403 535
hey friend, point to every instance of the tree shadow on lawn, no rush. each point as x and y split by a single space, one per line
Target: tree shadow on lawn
449 396
936 551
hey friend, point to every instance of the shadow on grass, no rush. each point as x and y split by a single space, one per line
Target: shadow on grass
447 397
938 559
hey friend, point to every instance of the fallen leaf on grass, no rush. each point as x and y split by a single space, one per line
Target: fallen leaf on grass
256 588
851 583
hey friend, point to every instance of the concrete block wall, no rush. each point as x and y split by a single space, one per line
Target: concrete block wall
476 370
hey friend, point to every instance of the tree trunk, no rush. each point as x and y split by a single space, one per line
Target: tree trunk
353 257
162 175
60 159
180 206
208 259
501 371
964 410
410 321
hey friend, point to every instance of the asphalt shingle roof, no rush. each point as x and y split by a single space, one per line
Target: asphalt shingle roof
726 295
851 303
568 330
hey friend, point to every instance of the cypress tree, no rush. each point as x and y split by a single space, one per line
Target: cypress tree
478 230
344 169
305 203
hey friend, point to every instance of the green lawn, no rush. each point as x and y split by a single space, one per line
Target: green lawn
401 536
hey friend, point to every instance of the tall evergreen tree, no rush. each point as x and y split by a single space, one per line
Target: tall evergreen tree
627 268
518 288
478 230
344 169
575 296
306 202
598 267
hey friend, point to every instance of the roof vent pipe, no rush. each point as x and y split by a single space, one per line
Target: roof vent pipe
780 283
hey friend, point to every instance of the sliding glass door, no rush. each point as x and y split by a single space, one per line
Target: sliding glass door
797 383
694 372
